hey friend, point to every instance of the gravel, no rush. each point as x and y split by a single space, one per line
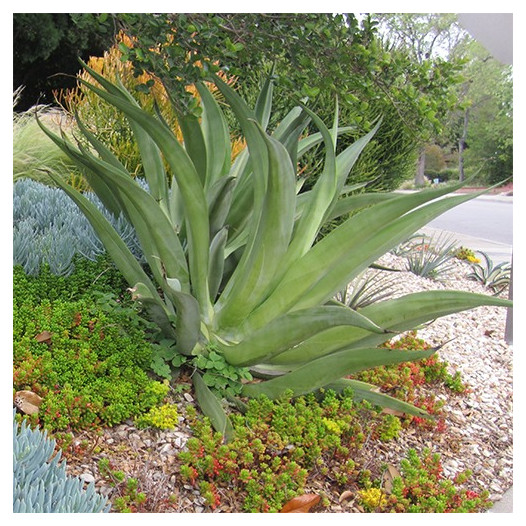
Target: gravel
479 425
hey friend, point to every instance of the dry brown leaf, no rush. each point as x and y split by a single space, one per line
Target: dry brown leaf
301 504
43 337
346 495
394 412
388 476
27 401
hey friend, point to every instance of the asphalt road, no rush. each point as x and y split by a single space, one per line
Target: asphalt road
484 217
484 223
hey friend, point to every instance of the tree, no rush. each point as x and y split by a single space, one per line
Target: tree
429 38
319 56
483 124
46 47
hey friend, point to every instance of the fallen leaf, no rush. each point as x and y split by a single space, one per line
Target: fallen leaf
43 337
27 401
346 495
388 411
301 504
388 476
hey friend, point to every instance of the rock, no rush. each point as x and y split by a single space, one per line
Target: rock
88 478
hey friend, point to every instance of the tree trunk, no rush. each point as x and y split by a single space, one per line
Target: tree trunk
420 179
462 147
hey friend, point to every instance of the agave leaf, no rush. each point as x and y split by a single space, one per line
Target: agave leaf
290 129
216 136
288 331
396 315
220 197
217 262
194 143
365 391
260 260
155 232
349 249
108 198
320 198
264 101
188 321
193 197
342 272
152 161
348 204
346 159
255 142
212 408
322 371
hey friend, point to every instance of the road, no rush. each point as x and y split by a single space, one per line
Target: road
484 223
483 217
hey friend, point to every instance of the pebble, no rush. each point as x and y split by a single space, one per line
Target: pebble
88 478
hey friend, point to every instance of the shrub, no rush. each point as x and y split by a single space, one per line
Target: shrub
40 482
34 153
277 445
163 417
421 487
110 125
232 249
87 363
88 279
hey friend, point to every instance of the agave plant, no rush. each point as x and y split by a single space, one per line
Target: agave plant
496 277
431 258
233 253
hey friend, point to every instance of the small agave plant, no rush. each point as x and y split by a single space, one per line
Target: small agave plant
237 272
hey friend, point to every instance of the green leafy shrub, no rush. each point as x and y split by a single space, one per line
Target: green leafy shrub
89 365
448 174
406 380
277 445
88 279
40 482
162 417
422 488
232 248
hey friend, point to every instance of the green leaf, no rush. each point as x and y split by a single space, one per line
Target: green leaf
288 331
212 408
396 315
255 272
188 319
192 192
332 263
364 391
217 137
323 371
